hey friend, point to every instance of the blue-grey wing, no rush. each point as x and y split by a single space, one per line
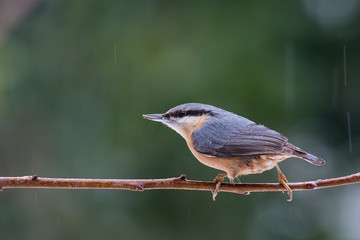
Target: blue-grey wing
218 141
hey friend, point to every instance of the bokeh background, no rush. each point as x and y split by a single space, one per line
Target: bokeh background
76 77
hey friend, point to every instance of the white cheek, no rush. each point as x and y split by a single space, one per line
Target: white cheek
183 125
176 128
188 121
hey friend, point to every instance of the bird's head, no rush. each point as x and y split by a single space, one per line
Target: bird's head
185 118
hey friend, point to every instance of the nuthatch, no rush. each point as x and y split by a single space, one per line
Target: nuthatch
231 143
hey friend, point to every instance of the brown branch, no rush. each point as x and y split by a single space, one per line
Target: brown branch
168 183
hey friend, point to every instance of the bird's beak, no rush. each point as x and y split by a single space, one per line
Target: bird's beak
154 117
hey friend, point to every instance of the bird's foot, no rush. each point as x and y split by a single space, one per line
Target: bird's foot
218 180
283 181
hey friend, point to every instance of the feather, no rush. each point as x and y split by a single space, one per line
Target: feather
229 141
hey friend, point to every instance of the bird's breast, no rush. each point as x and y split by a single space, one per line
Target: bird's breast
214 162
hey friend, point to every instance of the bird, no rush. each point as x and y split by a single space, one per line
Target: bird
231 143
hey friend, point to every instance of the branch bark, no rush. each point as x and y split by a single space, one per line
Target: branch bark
168 183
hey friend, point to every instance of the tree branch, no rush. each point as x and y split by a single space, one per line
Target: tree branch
168 183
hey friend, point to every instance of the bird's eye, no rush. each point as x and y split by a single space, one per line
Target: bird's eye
181 114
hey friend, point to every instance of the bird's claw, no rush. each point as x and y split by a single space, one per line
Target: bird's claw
218 180
283 181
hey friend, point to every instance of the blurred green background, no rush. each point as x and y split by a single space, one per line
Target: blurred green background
76 77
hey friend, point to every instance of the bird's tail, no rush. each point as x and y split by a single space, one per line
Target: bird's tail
313 159
299 153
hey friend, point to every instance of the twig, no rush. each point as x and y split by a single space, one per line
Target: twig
168 183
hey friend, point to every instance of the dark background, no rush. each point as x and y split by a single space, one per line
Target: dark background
76 77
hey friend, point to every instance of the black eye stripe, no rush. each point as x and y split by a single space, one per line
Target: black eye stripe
182 113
